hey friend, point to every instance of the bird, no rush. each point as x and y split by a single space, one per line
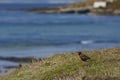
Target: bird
19 66
83 57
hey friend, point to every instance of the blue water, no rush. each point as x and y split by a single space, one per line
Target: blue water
4 6
24 34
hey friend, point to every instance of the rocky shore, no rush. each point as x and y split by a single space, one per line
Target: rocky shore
60 10
105 12
78 11
22 59
82 8
6 69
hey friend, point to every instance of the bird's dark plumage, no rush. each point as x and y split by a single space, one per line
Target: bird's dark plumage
83 57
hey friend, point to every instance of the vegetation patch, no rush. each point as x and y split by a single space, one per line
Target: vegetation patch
103 65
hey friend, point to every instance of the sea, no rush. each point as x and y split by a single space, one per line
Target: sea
29 34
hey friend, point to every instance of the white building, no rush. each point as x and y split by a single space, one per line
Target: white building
100 4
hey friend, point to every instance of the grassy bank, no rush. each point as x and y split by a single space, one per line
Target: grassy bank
104 65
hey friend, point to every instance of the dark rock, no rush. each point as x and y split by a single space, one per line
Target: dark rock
18 59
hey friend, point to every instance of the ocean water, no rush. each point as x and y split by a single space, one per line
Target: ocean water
4 6
25 34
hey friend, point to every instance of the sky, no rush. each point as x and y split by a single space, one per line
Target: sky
38 1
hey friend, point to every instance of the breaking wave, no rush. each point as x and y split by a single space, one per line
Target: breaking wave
54 42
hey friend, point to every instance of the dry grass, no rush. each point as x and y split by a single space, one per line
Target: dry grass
104 65
81 4
115 5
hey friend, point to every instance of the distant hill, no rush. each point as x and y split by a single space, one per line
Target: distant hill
83 7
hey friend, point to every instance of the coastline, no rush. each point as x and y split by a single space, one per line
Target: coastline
85 7
68 66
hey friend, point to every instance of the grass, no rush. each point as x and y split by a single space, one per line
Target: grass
115 5
104 65
81 4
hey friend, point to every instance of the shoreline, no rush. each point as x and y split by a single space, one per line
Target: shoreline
85 7
5 70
